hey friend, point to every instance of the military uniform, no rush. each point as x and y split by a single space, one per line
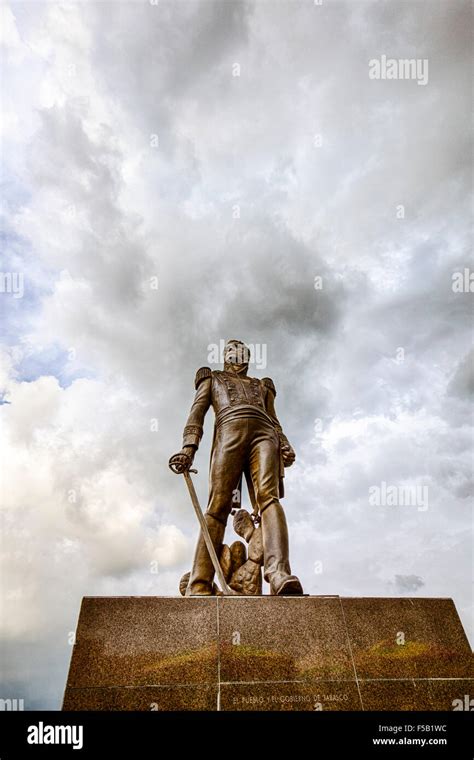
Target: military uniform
247 440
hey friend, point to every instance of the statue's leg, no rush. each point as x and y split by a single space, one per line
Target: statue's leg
230 447
202 574
264 470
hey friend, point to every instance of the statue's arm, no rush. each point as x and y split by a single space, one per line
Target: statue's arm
287 450
194 427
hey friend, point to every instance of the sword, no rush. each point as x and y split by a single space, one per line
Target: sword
205 532
180 467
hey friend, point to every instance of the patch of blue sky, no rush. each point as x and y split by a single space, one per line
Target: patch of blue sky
19 307
17 257
53 361
29 283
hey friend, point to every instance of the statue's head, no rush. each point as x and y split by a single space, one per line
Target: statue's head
236 356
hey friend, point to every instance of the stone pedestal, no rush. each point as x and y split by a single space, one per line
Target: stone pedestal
268 653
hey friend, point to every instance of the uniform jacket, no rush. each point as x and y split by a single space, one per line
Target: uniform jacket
223 390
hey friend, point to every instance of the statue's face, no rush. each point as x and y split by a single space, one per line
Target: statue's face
236 352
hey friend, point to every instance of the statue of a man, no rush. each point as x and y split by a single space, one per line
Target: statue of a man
248 440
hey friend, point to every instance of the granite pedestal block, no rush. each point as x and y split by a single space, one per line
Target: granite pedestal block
269 653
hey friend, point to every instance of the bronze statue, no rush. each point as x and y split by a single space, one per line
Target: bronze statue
248 440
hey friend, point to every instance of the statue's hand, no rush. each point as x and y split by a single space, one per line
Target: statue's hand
289 455
182 460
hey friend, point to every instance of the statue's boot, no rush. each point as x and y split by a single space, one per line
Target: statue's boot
201 579
277 571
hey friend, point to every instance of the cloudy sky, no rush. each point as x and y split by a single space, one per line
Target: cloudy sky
178 173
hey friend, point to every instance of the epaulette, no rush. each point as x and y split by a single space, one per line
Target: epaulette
268 383
201 375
